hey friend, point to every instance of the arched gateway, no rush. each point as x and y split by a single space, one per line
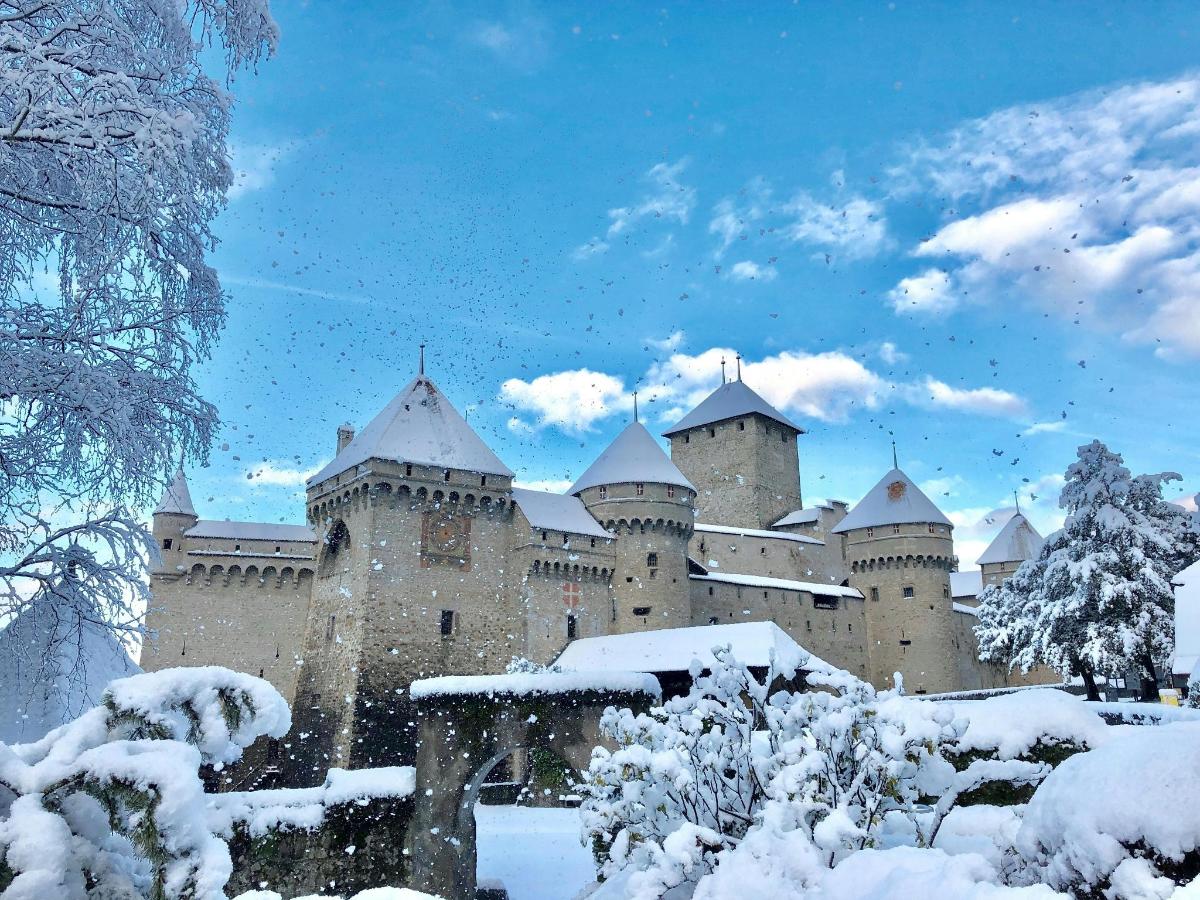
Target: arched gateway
466 724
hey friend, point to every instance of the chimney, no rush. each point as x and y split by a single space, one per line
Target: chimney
345 435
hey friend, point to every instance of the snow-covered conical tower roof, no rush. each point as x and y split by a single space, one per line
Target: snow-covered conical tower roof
729 401
633 457
419 426
176 499
1017 541
895 500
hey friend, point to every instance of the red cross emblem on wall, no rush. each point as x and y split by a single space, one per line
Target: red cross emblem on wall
571 594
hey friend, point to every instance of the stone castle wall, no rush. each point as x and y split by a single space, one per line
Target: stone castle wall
746 471
913 635
835 629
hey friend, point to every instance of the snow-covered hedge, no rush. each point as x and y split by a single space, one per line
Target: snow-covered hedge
112 805
380 893
1123 819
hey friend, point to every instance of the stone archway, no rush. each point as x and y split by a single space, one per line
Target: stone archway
467 724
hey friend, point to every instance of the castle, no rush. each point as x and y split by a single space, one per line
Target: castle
421 558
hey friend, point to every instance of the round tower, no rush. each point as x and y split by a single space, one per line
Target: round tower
173 516
636 492
900 550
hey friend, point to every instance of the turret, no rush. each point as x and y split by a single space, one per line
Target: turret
635 491
173 516
1017 541
741 454
900 550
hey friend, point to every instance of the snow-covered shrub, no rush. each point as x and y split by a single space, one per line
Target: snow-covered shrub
1036 726
111 805
1192 701
723 775
1120 821
519 665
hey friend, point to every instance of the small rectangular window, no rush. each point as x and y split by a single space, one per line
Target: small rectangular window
946 591
483 481
408 469
276 549
808 625
931 529
712 432
762 551
905 643
766 596
571 628
329 628
445 475
166 543
603 492
710 590
641 610
237 548
652 559
909 592
447 623
741 426
875 594
593 542
895 529
870 532
670 491
543 535
641 489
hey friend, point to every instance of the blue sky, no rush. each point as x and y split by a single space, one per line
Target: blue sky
970 227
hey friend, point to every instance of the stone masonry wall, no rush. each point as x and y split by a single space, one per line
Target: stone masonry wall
746 471
774 557
838 635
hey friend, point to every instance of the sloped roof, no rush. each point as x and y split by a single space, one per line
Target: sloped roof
673 649
805 516
1017 541
176 499
250 531
419 426
729 401
895 500
633 456
557 512
781 584
759 533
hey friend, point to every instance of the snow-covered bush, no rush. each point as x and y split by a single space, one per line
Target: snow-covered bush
1122 821
727 766
519 665
1192 701
111 805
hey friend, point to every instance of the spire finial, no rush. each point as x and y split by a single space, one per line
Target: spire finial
722 370
1017 500
739 367
421 369
895 461
635 415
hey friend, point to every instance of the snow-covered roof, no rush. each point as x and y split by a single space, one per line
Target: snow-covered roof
729 401
895 500
526 684
250 531
964 608
1187 619
634 456
800 517
781 584
419 426
557 512
1017 541
759 533
176 499
673 649
966 584
55 662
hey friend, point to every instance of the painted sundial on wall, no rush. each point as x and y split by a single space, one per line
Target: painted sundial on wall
896 490
445 538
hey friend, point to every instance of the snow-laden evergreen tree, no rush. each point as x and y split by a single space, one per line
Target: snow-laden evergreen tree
113 164
1098 597
111 805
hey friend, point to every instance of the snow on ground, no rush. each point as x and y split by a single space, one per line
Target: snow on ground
535 852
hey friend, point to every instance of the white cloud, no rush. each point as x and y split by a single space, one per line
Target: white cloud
856 228
946 486
550 485
1044 427
523 43
668 200
254 165
733 217
930 292
747 270
1085 207
1187 501
573 400
984 401
671 342
281 474
891 354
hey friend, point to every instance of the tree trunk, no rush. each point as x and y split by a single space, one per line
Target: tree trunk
1089 679
1149 688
